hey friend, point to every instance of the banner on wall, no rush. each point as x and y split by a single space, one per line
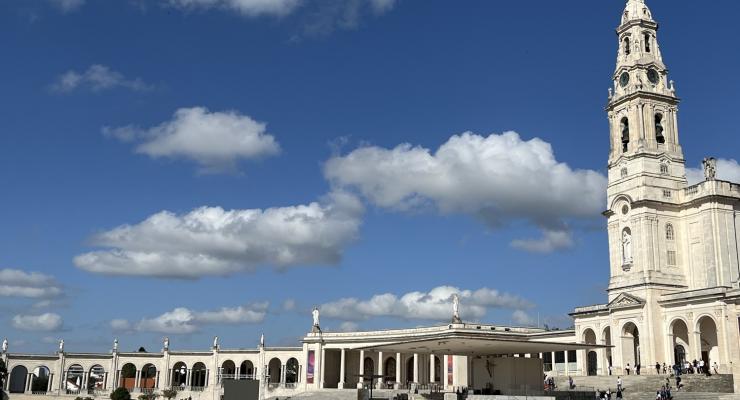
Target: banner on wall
311 363
449 370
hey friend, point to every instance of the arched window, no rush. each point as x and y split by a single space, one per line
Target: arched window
664 168
625 128
647 42
669 232
659 128
627 46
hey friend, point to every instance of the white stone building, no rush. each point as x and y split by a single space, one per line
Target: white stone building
673 293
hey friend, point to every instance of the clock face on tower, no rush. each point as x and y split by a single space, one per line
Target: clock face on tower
653 76
624 79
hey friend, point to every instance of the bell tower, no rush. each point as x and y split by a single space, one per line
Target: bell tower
646 162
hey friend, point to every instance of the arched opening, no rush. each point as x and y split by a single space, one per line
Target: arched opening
179 375
17 383
659 129
589 337
199 378
680 335
40 380
708 339
128 376
291 371
96 378
73 380
273 368
627 49
664 168
607 340
647 42
148 379
630 345
625 129
228 370
368 366
669 232
437 370
390 370
247 369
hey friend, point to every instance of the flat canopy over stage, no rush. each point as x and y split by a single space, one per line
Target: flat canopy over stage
467 343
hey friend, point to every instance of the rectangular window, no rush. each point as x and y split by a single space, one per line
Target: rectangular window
667 194
671 257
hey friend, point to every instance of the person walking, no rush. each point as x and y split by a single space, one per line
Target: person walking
665 368
610 370
619 384
657 368
570 383
715 367
627 368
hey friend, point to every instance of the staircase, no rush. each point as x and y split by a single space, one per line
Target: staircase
643 387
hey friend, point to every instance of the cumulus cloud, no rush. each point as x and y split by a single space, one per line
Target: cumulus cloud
214 140
183 320
250 8
435 305
326 16
520 317
97 78
213 241
727 170
44 322
18 283
68 5
497 179
551 240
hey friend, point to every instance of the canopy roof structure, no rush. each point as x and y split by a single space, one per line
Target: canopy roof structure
477 344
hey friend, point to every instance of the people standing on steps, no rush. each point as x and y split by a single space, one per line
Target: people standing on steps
657 368
665 368
610 370
715 367
619 384
627 368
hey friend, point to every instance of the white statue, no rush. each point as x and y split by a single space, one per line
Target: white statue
166 343
61 345
115 344
710 168
262 340
215 342
456 306
315 314
5 345
626 247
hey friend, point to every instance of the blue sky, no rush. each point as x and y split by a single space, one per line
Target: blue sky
122 119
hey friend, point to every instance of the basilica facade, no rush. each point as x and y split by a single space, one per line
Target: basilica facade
673 293
674 290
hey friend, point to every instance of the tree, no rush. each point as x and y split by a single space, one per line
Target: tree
120 394
142 349
148 396
169 393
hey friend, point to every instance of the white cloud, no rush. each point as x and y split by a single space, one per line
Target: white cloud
552 240
18 283
120 325
348 326
183 320
289 305
521 318
435 305
43 322
213 241
68 5
250 8
381 6
727 170
215 140
97 78
498 178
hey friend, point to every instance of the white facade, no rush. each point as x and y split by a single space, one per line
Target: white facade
674 287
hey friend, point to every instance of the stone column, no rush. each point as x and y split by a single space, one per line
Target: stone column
552 367
282 375
431 368
416 367
398 371
567 369
342 364
360 379
49 385
323 367
381 380
137 377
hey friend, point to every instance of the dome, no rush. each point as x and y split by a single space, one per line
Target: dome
636 10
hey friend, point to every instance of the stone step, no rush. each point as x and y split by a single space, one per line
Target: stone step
651 383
